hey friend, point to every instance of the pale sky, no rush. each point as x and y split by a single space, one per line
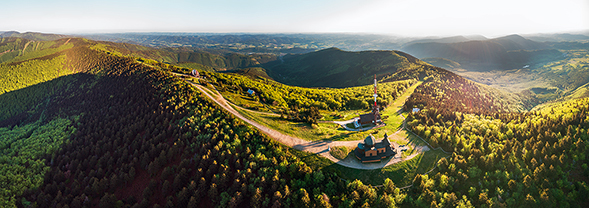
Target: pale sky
397 17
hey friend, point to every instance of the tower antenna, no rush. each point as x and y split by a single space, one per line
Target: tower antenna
375 95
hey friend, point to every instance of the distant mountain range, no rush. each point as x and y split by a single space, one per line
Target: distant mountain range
507 52
255 43
474 52
453 39
32 35
558 37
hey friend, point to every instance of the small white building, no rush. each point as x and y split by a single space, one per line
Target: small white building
356 124
251 92
195 73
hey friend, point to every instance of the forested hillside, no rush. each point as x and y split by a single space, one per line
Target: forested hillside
333 67
18 49
501 157
217 60
507 159
35 69
446 91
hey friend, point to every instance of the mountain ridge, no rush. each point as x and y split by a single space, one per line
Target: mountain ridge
334 67
488 54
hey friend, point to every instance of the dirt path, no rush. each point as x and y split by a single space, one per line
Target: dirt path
253 111
25 48
7 51
317 147
343 124
282 138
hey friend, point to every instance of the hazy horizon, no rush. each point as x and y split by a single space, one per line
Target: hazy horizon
402 18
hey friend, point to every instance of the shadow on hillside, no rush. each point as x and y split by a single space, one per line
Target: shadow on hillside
413 139
342 136
29 104
401 174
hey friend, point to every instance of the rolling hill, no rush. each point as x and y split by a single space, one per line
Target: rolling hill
32 35
566 37
502 53
517 42
442 63
256 43
218 60
453 39
336 68
448 92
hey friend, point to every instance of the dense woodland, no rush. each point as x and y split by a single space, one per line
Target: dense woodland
446 91
506 159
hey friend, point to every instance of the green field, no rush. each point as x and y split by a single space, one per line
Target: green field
340 152
331 131
401 174
245 101
343 115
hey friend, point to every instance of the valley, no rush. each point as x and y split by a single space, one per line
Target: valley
549 80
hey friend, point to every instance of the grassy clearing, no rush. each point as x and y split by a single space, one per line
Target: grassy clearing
210 89
321 131
334 132
247 102
312 160
401 173
296 129
341 115
340 152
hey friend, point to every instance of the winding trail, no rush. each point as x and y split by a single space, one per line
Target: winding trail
317 147
25 48
253 111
